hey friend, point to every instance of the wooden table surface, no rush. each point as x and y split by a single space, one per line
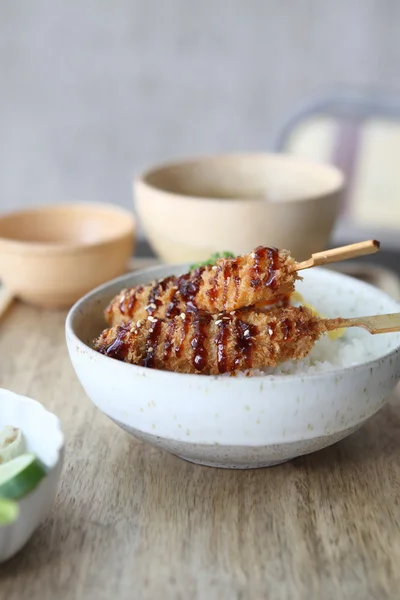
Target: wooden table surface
131 522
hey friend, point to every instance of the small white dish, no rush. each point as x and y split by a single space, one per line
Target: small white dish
43 436
240 422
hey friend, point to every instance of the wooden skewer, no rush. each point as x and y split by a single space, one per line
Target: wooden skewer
338 254
374 324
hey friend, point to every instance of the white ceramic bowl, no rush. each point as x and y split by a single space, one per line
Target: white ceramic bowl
240 422
43 437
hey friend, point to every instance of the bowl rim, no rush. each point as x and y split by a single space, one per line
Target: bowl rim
217 379
142 179
13 398
36 247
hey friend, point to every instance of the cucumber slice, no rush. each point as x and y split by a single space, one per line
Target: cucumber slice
20 476
8 511
11 444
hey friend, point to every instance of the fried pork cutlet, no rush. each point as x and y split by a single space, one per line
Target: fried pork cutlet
265 275
215 344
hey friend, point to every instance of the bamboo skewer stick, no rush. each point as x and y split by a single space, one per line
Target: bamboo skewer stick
374 324
338 254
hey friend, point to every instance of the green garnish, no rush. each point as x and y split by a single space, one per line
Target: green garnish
20 476
8 511
212 260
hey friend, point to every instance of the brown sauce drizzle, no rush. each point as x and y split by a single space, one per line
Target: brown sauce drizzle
164 283
213 291
122 302
221 341
159 287
184 332
153 336
130 307
287 329
119 348
270 258
258 255
173 307
200 327
244 343
169 339
227 278
189 285
274 266
236 278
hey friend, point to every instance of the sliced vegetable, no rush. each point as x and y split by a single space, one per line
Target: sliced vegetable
8 511
20 476
212 260
11 444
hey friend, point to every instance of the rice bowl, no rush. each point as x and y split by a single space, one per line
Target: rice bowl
246 421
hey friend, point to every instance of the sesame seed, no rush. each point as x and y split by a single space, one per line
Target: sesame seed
151 306
139 323
183 316
151 349
247 333
218 322
151 330
270 330
152 319
214 268
232 312
225 318
253 255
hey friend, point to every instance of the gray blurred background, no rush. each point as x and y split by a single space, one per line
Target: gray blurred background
92 92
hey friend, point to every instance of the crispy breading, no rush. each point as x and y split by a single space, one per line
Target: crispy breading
199 342
265 275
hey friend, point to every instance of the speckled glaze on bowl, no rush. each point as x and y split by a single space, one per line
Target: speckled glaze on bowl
239 422
43 436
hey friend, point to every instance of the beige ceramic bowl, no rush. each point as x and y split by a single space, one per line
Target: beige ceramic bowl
51 256
236 202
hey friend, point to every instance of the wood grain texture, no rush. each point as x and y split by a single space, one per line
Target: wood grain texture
133 522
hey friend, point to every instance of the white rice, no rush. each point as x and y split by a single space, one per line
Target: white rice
355 347
327 355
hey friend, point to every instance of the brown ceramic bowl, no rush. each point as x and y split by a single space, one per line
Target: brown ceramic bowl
51 256
192 208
